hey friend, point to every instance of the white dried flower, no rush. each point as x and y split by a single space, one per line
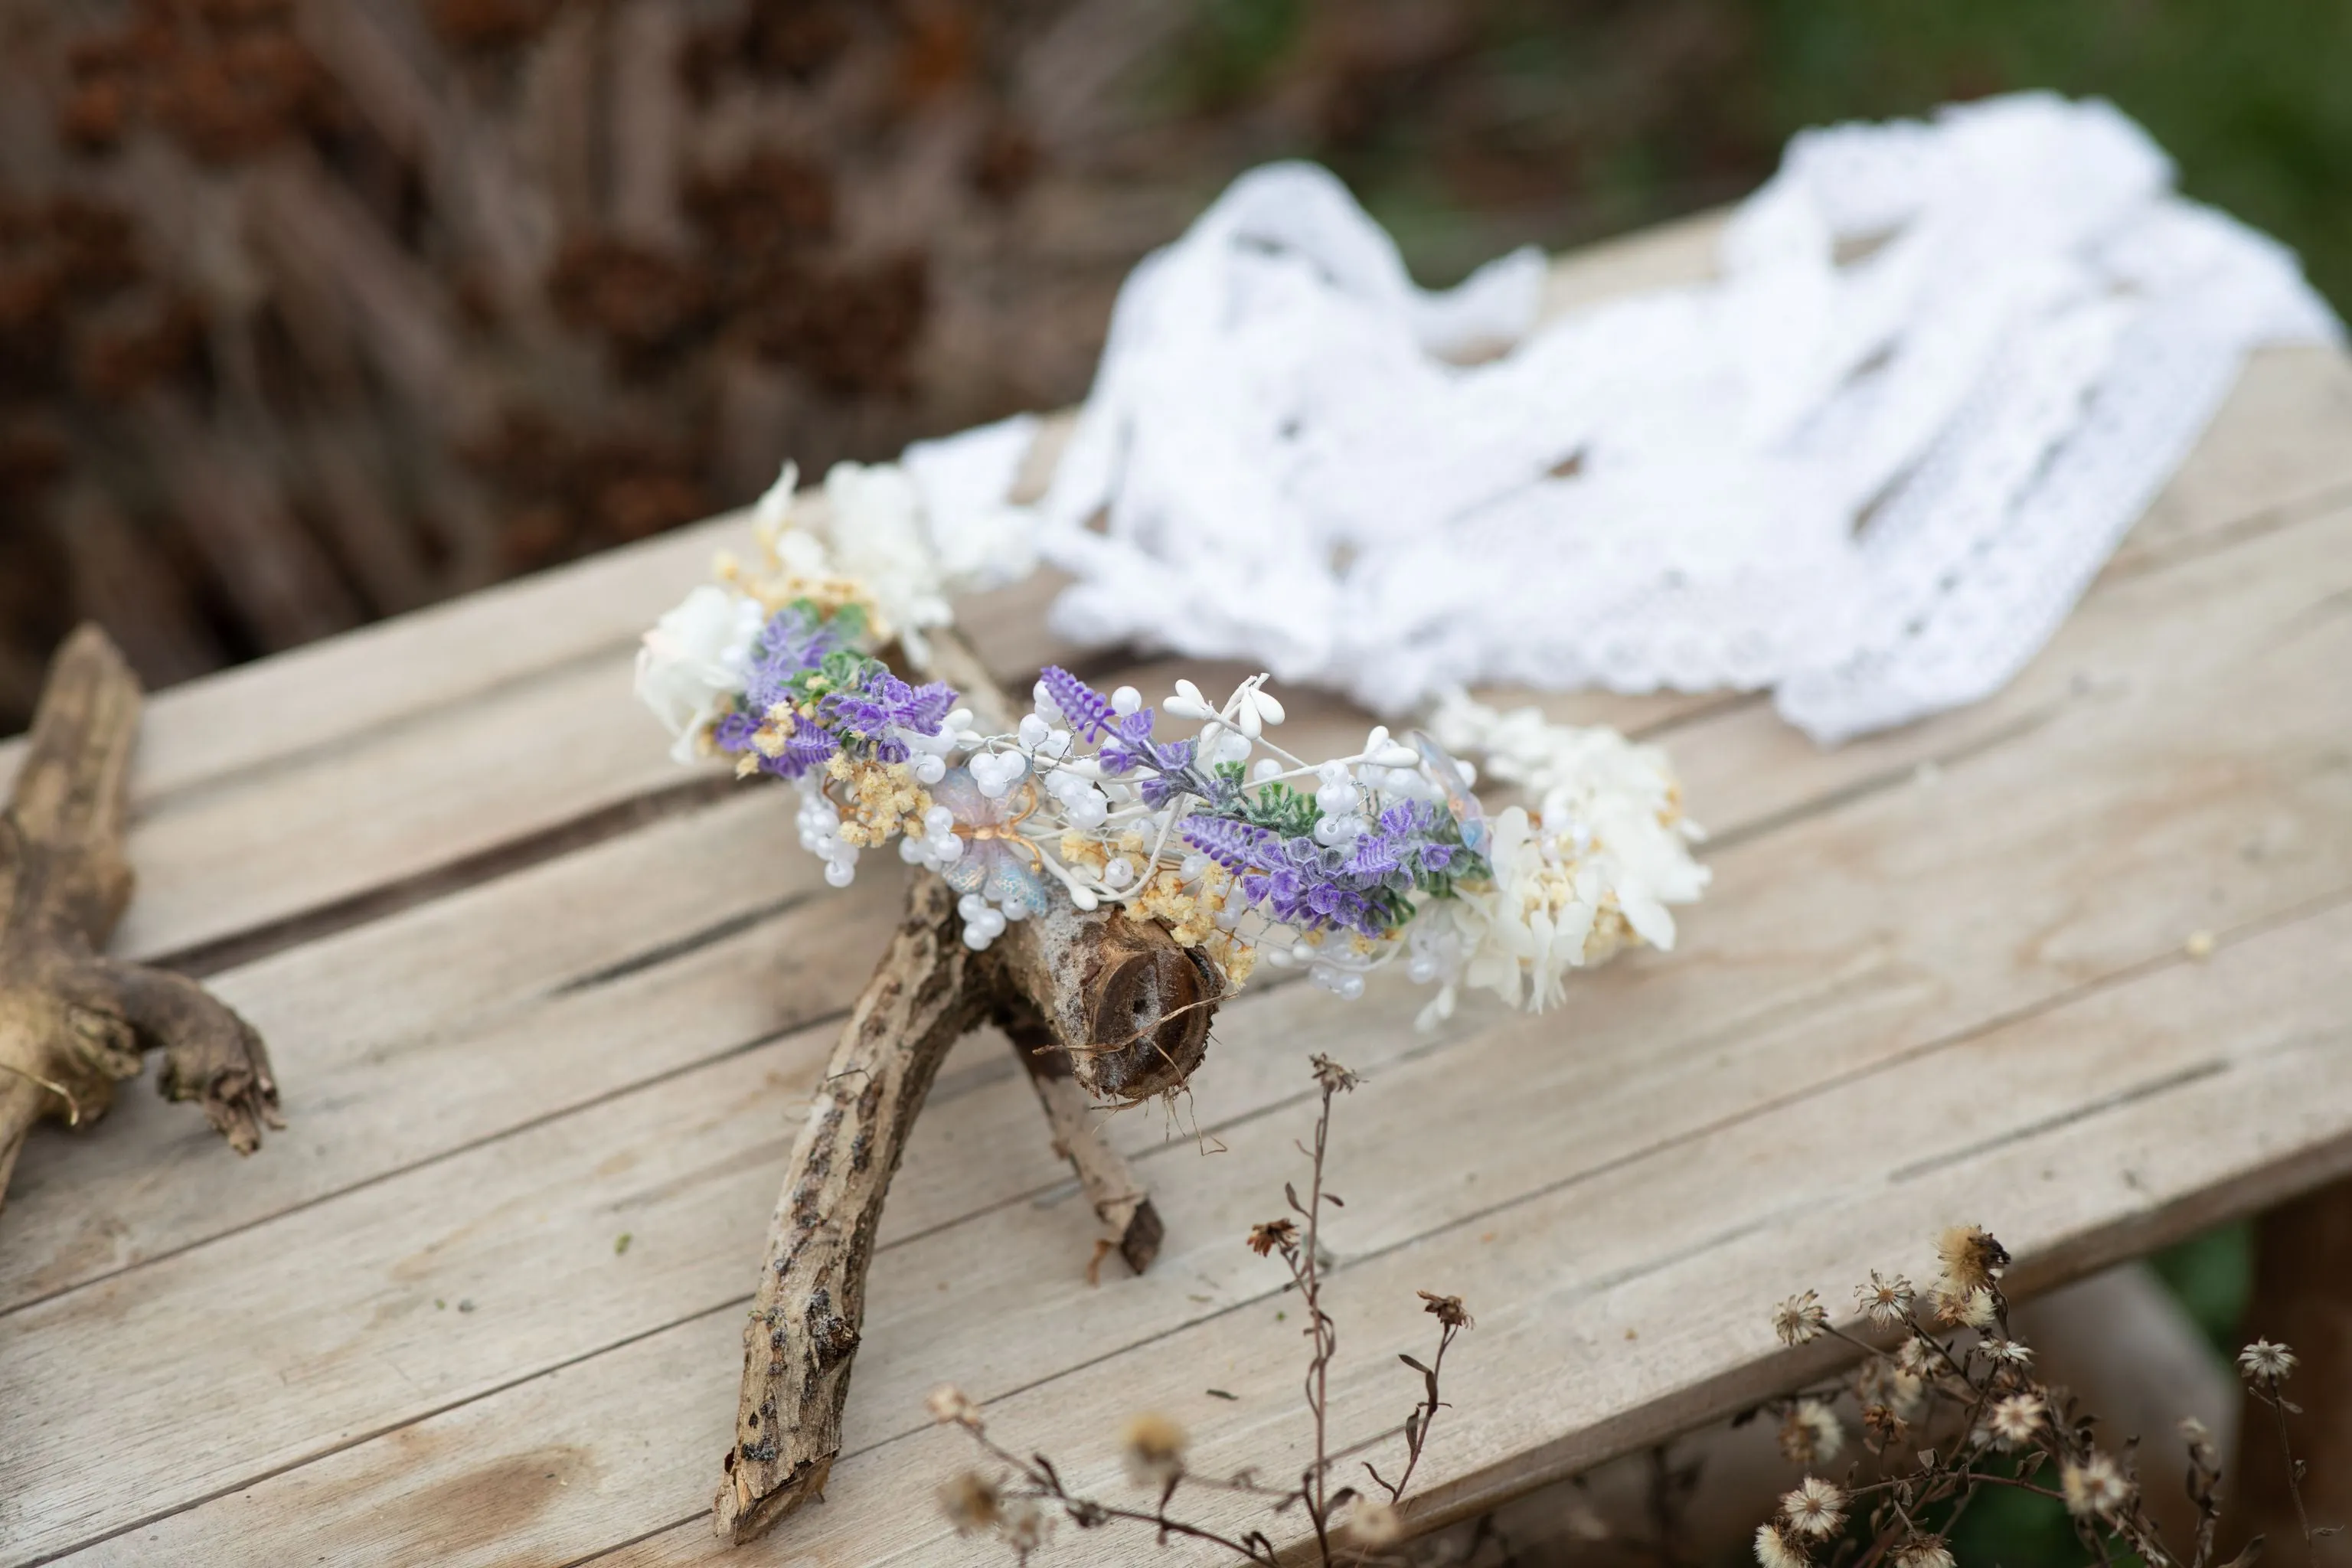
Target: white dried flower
1374 1521
2263 1362
1811 1435
950 1405
1799 1318
2013 1421
1886 1302
1024 1526
696 659
2006 1353
1816 1509
1923 1551
2097 1486
1775 1548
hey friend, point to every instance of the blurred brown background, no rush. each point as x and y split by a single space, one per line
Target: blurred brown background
315 312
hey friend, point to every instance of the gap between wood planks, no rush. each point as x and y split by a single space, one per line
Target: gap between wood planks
1885 765
2194 590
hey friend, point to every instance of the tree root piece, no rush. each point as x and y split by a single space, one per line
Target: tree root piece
72 1022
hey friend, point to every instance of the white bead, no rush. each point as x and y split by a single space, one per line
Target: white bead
947 849
1056 743
976 939
939 820
1119 874
1351 986
1267 768
959 718
1126 699
1278 958
1332 772
930 768
840 873
1232 748
971 906
1193 867
910 850
1033 731
1014 912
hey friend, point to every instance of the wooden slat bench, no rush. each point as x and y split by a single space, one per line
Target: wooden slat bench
533 994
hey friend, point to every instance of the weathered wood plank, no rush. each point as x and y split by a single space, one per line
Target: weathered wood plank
1646 1277
1830 947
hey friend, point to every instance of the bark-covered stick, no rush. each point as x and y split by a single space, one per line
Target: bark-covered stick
811 1299
1116 1003
73 1022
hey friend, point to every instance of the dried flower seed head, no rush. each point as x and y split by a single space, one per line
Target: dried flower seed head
1811 1435
1915 1357
2263 1362
2013 1421
1882 1427
1977 1308
2006 1353
970 1502
2097 1486
1972 1259
1776 1548
1333 1078
1374 1522
1152 1447
1799 1318
1447 1310
950 1405
1268 1235
1923 1551
1886 1302
1024 1526
1888 1383
1816 1509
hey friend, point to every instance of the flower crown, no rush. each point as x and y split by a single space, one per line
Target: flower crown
1237 846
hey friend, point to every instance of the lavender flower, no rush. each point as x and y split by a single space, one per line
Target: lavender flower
862 715
793 645
1088 710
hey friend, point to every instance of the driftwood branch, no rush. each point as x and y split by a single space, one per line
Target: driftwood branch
1095 1004
72 1022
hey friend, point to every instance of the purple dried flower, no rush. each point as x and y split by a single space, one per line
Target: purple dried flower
1088 710
734 731
864 713
1130 746
793 643
1236 846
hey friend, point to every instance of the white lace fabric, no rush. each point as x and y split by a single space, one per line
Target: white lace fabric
1944 366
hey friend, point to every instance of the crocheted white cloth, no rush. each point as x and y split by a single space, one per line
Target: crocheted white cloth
1943 368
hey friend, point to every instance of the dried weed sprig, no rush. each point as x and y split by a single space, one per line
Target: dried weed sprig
1953 1405
1018 1506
